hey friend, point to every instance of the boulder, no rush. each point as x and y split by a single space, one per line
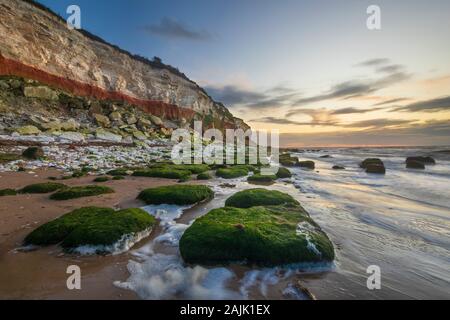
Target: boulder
424 160
33 153
102 120
51 126
306 164
40 92
73 136
28 130
369 161
107 136
156 120
144 123
115 116
413 164
338 168
375 168
70 125
130 119
139 135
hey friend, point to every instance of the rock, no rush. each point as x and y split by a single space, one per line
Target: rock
95 108
375 168
156 120
102 120
283 173
325 156
4 85
28 130
130 119
107 136
127 139
73 136
70 125
369 161
40 92
287 160
144 123
166 131
209 239
33 153
413 164
176 194
424 160
306 164
115 116
51 126
100 228
139 135
338 168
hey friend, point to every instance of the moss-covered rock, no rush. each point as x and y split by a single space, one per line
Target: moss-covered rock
118 178
162 172
33 153
232 172
307 164
46 187
177 194
268 236
259 197
8 157
262 179
91 226
287 160
80 192
204 176
101 179
119 172
7 192
283 173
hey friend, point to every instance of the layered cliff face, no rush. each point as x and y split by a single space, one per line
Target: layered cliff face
35 44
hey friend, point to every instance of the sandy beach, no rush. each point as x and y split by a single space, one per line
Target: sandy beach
41 274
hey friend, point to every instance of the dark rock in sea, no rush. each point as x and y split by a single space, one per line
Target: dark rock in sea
338 168
326 156
287 160
33 153
413 164
283 173
371 161
307 164
424 160
375 168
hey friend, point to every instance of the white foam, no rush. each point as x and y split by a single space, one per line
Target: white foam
125 243
305 229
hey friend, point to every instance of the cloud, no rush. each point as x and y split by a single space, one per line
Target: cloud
374 62
427 133
393 68
284 121
234 95
351 110
378 123
352 89
433 105
390 101
170 28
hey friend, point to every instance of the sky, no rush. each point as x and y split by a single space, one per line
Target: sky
311 69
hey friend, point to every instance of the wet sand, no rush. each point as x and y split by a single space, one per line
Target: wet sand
41 274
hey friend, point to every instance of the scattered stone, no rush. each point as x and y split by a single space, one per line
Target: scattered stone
115 116
130 119
73 136
139 135
70 125
413 164
156 120
424 160
325 156
375 168
338 168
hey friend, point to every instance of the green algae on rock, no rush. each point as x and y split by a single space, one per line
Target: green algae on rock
283 173
162 172
259 197
7 192
91 226
80 192
261 179
232 172
46 187
268 236
176 194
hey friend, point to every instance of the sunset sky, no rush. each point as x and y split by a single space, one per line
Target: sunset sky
311 69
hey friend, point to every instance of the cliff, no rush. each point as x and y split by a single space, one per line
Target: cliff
36 44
